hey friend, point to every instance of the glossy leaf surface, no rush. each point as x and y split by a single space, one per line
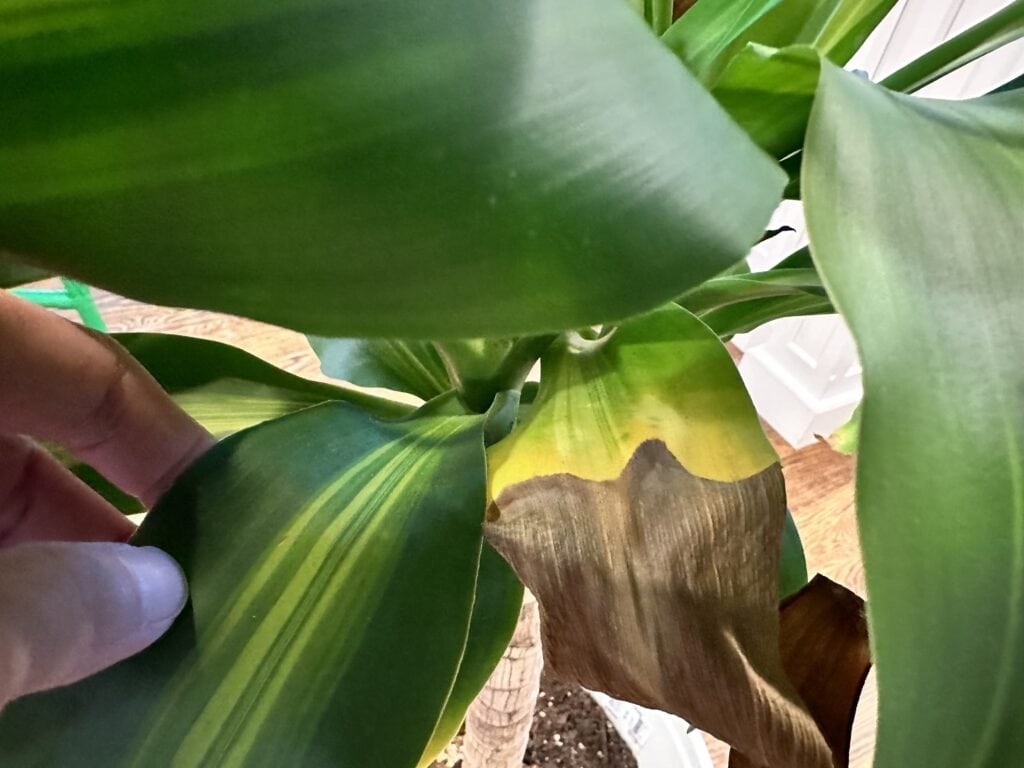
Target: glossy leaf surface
332 560
404 366
926 268
441 170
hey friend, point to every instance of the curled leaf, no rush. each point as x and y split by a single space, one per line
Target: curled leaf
658 588
826 654
645 511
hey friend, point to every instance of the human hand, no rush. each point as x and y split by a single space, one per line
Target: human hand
74 598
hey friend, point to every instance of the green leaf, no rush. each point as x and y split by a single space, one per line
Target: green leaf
846 437
714 32
706 37
397 170
739 303
792 564
13 273
914 214
769 92
768 86
798 259
1003 27
481 368
848 27
332 560
744 317
495 613
472 365
662 376
223 388
658 14
835 28
1012 85
791 22
405 366
732 289
227 389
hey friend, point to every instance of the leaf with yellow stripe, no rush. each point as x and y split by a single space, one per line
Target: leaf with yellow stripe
227 389
641 503
332 558
499 596
223 388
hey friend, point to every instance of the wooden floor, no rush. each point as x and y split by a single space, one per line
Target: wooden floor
819 481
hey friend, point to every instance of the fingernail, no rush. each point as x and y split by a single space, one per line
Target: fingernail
161 582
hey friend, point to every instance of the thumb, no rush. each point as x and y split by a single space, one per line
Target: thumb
68 610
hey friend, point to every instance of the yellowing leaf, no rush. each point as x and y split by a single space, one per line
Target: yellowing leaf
640 502
663 376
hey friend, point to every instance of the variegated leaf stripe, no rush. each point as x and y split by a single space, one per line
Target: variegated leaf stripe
229 405
252 683
323 592
226 388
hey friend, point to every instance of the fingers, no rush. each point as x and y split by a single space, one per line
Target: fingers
41 500
61 383
68 610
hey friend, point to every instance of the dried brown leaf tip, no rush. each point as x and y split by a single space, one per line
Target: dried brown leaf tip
679 7
826 654
659 587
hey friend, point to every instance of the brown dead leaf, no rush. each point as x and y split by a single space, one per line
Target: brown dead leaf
679 7
825 652
659 587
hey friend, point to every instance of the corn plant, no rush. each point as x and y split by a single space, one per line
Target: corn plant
441 194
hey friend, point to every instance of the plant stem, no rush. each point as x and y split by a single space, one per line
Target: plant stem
478 380
1002 27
